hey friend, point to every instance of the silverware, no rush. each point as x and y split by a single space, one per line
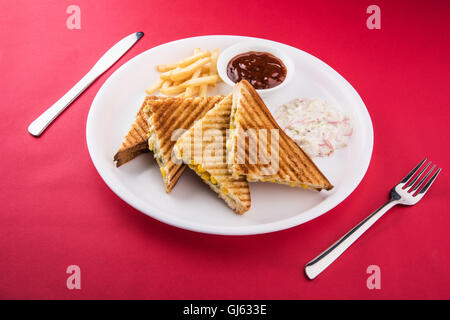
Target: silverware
105 62
404 193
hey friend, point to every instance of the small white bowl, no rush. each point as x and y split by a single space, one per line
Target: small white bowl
260 46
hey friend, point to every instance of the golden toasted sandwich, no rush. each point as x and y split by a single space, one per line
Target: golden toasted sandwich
203 148
261 151
168 119
135 142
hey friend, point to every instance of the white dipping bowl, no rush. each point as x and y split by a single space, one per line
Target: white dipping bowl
260 46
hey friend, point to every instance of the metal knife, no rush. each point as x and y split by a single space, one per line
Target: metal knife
105 62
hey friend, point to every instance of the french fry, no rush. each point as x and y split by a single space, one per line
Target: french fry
166 67
190 90
188 77
155 86
205 69
166 75
172 90
212 70
203 90
197 56
213 64
186 72
200 81
166 84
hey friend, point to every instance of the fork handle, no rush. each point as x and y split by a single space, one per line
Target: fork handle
323 260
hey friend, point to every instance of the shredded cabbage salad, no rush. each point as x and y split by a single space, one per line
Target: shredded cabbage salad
318 128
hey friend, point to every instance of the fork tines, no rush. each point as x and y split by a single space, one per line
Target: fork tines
411 178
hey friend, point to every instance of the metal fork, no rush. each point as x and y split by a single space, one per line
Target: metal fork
404 193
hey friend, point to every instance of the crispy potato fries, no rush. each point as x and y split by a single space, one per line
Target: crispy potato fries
188 77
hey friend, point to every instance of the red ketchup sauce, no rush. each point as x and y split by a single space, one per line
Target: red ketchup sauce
261 69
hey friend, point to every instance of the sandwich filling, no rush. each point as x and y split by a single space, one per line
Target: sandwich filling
213 182
154 146
233 132
206 176
203 149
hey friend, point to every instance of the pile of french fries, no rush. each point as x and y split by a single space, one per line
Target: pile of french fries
188 77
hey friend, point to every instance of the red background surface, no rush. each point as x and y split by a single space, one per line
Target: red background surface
56 211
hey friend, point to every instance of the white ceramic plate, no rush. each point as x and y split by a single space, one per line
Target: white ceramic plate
192 205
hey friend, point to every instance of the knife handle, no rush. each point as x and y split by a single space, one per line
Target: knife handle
44 120
103 64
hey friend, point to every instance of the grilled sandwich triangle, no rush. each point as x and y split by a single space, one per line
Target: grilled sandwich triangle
260 150
203 148
135 142
168 118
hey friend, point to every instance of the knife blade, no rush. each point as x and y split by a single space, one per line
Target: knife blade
104 63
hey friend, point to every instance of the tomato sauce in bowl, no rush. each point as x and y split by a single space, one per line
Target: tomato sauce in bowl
261 69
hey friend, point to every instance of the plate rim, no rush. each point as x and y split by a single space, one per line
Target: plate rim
270 227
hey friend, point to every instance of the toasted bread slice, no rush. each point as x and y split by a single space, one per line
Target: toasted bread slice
203 149
135 142
168 119
261 151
